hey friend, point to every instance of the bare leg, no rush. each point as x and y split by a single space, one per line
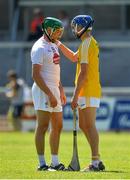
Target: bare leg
87 118
42 126
56 126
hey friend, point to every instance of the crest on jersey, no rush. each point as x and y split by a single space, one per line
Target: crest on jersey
56 56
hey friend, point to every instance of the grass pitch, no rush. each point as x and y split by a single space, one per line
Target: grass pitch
18 159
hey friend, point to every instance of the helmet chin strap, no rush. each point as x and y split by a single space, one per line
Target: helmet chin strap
78 33
48 36
81 32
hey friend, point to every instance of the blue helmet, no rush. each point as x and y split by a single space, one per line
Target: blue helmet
83 21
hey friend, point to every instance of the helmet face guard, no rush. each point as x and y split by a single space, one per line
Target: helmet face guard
85 22
54 24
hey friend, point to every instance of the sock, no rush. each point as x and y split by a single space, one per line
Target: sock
95 162
41 160
55 160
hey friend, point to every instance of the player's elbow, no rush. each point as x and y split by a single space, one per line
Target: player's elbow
74 57
83 72
83 76
35 75
36 71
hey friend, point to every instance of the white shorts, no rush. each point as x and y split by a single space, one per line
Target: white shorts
41 101
84 102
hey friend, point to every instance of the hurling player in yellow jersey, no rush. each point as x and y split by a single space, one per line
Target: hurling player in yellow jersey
87 91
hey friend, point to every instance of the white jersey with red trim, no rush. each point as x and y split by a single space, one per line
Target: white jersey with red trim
46 54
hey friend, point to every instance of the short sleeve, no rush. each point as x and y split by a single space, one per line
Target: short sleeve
37 56
84 51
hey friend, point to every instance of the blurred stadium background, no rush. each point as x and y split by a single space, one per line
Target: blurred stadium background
111 29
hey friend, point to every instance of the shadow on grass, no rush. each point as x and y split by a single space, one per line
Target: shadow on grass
106 171
114 171
111 171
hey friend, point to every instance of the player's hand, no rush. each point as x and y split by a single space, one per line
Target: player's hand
53 101
63 98
74 102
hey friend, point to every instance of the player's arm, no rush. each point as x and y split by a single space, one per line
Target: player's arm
83 73
36 74
62 94
81 79
80 83
73 56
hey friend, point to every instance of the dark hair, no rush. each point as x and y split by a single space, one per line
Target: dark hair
12 73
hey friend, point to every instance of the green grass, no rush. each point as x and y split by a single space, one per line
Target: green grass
18 159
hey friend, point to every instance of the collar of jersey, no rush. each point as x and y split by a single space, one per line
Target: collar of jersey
47 42
85 38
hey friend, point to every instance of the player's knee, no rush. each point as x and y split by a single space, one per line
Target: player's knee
81 126
85 127
60 127
42 128
57 128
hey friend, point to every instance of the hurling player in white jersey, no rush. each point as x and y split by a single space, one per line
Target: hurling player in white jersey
47 91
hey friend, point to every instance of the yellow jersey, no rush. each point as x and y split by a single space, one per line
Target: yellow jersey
88 52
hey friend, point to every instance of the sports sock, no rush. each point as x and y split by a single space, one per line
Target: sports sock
41 160
55 160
